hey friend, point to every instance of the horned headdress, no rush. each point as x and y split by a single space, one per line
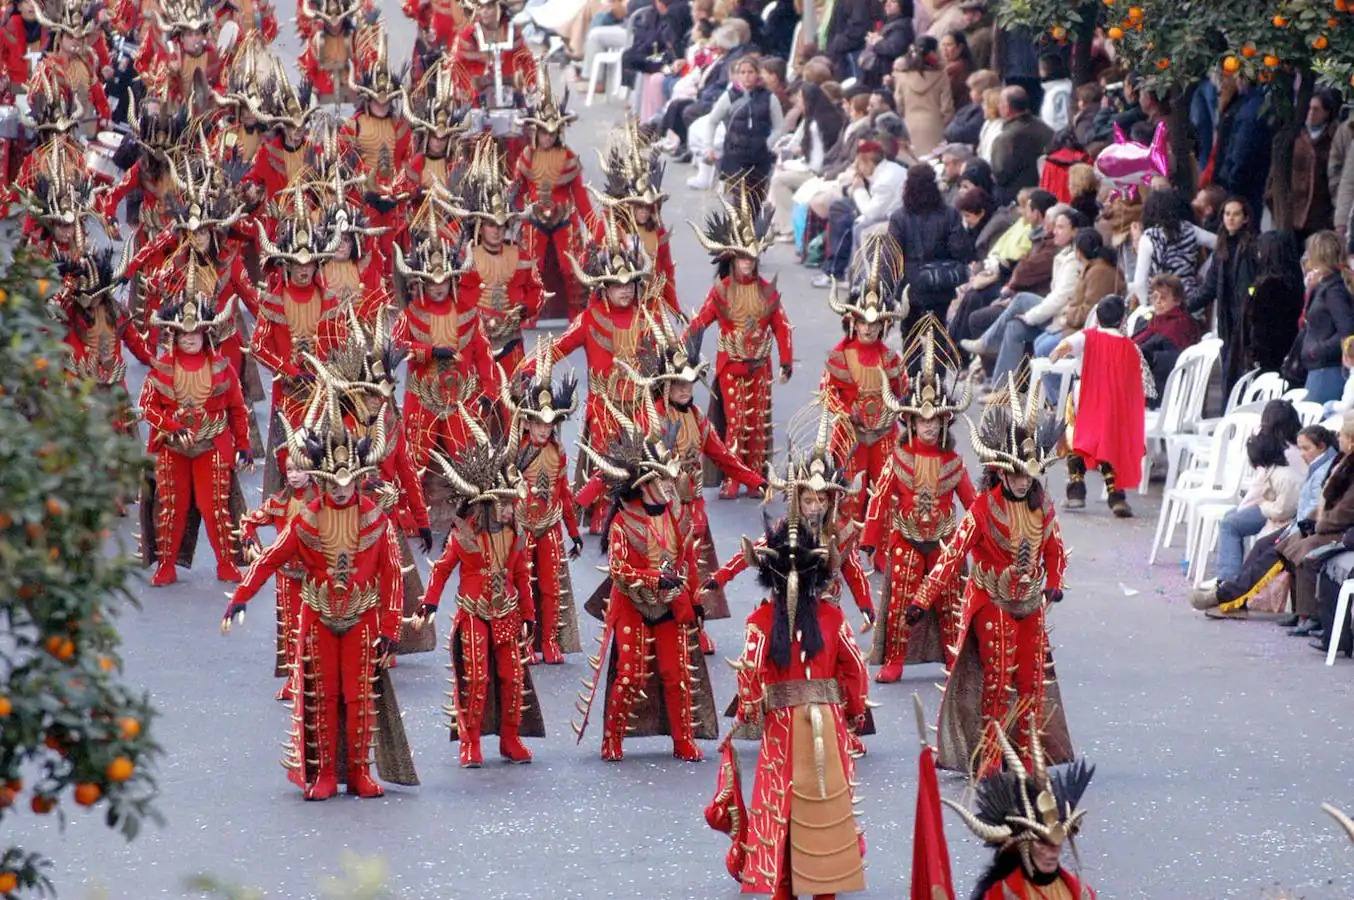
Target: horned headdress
873 278
1018 432
736 229
546 113
618 258
483 472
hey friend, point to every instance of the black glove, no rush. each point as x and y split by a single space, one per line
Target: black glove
384 647
668 582
444 353
786 370
1306 527
576 550
242 459
912 615
379 203
427 610
1053 595
700 612
235 609
1348 539
710 585
868 550
426 536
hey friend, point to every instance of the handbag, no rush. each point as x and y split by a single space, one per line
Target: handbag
939 276
1293 369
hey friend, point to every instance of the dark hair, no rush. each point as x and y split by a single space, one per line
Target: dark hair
1090 92
1042 200
1227 245
1057 66
922 56
1088 243
1318 434
961 40
973 200
1109 312
775 65
1264 450
822 111
1074 218
1328 100
1168 282
921 194
1162 209
978 173
1276 256
1279 418
885 97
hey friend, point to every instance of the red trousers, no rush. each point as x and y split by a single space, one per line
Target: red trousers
288 623
202 480
545 555
1013 653
669 644
746 392
908 567
559 244
868 459
424 433
481 642
335 669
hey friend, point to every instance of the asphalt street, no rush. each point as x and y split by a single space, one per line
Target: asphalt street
1214 742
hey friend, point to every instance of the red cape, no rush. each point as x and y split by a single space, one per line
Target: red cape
1110 411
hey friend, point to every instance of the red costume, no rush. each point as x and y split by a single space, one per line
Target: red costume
800 684
1016 562
750 317
493 603
549 508
480 49
633 173
555 198
199 426
350 617
912 509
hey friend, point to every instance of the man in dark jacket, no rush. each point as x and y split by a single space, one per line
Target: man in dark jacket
660 38
888 43
1016 151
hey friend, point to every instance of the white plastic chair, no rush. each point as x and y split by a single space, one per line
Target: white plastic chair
1341 616
1265 387
1296 395
1309 412
1065 370
1172 423
612 59
1218 481
1141 315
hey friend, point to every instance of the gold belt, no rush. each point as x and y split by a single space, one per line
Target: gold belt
782 694
913 530
340 620
1009 591
496 605
744 346
540 525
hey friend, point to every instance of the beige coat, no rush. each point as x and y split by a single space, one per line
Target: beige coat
926 105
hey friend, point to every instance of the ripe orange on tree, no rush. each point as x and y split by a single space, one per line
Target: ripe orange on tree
1320 42
1231 65
1271 60
129 728
6 707
120 769
87 793
42 804
1115 33
8 882
1249 51
1279 21
1135 13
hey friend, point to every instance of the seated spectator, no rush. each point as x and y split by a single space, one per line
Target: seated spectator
1016 150
1020 260
979 214
993 123
977 173
890 42
1063 154
1346 402
865 195
726 45
1088 98
1083 187
821 123
936 248
1110 426
1029 313
1304 553
1099 278
1328 318
661 39
958 62
1168 244
1271 311
1277 494
922 94
773 79
967 125
953 158
1171 330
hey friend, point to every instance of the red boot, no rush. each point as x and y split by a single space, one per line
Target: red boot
891 672
227 571
707 643
325 786
511 748
728 490
686 750
470 752
164 575
612 751
362 784
551 654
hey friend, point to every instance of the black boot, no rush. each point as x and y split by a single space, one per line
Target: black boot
1076 483
1117 501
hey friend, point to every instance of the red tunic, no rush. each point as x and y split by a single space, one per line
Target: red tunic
747 325
1110 421
224 401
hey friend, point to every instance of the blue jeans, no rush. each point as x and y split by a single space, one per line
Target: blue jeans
1043 346
1236 526
1012 334
1325 384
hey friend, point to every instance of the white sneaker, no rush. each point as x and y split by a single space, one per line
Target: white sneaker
822 280
972 345
704 179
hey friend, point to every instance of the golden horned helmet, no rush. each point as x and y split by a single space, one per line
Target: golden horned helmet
433 109
618 258
736 230
484 472
192 312
632 168
375 80
1018 432
1023 805
874 275
931 357
336 455
546 113
541 398
298 239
